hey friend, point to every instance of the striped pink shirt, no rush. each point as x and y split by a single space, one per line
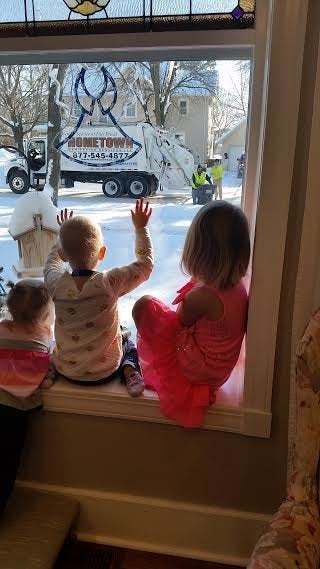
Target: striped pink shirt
24 357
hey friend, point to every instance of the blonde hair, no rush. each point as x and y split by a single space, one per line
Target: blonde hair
28 301
217 247
81 240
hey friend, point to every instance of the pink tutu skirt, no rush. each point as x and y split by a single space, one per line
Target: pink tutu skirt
180 400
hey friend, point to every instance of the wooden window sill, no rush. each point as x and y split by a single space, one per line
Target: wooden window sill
112 400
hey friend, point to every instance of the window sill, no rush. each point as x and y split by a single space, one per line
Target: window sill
112 400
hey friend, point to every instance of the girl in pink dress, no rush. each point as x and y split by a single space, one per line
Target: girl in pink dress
187 354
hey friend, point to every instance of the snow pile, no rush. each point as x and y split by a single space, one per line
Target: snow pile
29 205
48 189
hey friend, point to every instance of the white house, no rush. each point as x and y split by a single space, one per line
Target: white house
232 144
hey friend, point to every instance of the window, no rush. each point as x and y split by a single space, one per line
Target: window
274 111
37 17
130 110
77 110
183 108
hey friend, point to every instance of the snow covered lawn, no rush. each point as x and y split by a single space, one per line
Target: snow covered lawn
172 214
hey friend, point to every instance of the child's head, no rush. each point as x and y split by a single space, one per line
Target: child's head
217 247
28 302
81 243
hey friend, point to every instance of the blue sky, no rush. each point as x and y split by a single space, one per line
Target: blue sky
13 10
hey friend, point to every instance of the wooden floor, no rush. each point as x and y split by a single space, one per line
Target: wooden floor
90 556
141 560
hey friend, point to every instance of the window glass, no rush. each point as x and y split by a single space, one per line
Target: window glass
33 17
131 109
183 107
209 122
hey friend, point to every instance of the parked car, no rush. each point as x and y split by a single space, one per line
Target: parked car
241 165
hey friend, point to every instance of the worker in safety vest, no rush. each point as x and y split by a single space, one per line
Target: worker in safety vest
217 176
199 177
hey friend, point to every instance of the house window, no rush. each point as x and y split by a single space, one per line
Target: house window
183 108
130 110
77 110
275 79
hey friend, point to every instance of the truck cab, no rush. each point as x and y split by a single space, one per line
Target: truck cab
36 153
17 170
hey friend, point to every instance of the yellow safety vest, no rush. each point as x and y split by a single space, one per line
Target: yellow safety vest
199 180
217 172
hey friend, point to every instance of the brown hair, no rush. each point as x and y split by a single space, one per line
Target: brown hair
81 239
28 301
217 247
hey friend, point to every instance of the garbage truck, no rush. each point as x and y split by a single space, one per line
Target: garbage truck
135 162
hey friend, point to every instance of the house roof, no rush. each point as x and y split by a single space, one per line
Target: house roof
232 130
31 204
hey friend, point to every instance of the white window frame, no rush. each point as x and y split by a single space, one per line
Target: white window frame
186 107
276 45
127 106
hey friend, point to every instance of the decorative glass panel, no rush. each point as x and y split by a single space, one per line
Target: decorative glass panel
52 17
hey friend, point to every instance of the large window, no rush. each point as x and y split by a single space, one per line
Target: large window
275 77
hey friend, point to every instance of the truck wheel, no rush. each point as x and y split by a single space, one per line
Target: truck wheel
137 187
112 187
68 183
18 182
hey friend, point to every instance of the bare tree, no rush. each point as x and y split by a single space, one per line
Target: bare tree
154 84
240 86
230 106
23 99
56 107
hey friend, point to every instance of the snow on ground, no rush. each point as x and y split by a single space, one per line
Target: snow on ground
172 214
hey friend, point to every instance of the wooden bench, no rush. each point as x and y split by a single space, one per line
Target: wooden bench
34 528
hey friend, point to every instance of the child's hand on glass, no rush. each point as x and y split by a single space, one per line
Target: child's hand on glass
64 216
141 215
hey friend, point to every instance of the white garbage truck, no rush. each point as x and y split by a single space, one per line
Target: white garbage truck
137 161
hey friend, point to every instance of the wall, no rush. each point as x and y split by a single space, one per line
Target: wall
117 111
195 125
206 467
236 138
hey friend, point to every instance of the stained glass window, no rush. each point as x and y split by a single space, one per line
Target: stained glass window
59 17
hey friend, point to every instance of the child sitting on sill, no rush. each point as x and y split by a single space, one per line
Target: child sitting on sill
24 363
90 348
188 354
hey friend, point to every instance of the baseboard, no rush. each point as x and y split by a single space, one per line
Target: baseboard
161 526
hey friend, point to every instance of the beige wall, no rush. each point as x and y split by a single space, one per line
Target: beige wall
209 467
195 125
